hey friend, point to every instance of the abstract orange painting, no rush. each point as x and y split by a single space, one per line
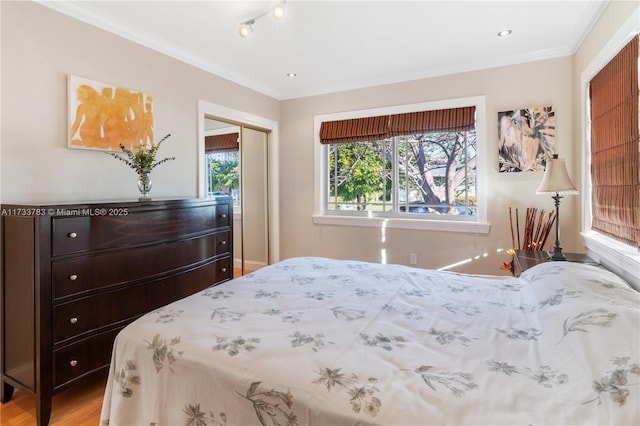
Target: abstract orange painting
103 116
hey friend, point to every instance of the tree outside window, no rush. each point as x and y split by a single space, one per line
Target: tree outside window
418 174
223 176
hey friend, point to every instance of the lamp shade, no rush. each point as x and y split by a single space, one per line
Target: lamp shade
556 179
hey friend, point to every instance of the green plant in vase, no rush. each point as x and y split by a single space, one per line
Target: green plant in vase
142 159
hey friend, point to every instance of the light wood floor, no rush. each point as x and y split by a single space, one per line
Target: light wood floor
77 406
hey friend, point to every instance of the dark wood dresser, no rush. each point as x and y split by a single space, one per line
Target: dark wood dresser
74 275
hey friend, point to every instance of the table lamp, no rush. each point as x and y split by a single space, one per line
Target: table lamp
556 181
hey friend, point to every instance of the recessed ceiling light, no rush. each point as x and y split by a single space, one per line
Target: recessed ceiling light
504 33
291 74
278 11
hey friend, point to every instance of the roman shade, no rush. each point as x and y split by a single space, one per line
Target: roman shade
385 126
221 143
354 130
615 142
441 120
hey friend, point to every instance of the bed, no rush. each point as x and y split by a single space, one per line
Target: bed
316 341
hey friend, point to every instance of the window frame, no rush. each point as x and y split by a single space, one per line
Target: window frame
470 224
621 258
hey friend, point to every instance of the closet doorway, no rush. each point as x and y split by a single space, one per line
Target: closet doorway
235 160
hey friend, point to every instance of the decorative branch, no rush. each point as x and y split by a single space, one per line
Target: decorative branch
142 158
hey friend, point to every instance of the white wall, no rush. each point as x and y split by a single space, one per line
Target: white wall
40 47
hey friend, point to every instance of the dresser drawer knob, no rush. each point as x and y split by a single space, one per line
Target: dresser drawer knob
72 235
223 269
223 242
73 362
73 277
73 320
223 215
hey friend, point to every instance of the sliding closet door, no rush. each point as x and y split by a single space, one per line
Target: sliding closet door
255 198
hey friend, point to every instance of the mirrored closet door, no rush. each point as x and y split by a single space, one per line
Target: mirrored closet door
236 159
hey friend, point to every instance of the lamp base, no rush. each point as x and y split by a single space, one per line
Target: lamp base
557 249
556 254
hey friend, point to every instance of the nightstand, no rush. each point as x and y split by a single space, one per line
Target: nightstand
525 259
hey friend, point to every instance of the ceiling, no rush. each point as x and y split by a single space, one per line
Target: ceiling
340 45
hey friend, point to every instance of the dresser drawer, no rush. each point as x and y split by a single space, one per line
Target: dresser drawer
84 315
223 242
81 233
84 357
86 273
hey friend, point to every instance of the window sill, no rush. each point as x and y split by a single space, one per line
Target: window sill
619 258
401 223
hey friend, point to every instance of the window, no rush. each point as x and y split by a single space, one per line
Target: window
412 166
615 142
222 175
604 165
423 174
222 159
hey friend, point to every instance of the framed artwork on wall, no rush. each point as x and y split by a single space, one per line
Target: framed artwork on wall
103 116
526 138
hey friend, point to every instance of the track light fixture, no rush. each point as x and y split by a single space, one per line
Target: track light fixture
246 27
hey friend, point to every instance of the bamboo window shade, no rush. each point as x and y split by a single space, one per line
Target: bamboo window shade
385 126
221 143
615 146
442 120
354 130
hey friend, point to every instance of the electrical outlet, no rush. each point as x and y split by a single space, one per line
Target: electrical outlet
413 259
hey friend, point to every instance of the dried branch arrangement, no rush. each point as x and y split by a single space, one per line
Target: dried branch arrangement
537 226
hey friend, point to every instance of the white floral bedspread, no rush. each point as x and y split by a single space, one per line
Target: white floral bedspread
315 341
